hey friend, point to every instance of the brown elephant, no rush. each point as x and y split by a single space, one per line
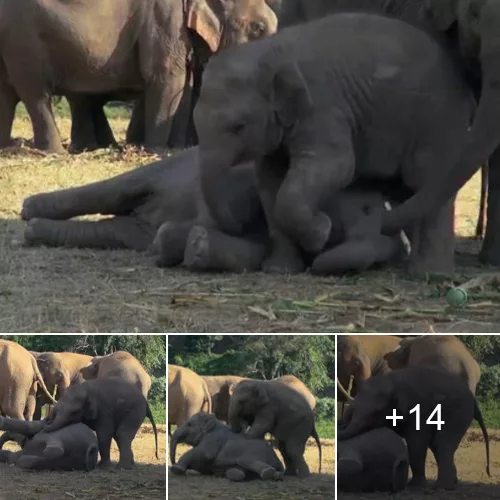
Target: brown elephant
446 352
20 378
119 364
398 392
361 356
187 394
83 47
59 370
222 387
110 406
274 407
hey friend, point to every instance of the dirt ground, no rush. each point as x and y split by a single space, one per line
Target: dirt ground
471 466
63 290
316 487
146 481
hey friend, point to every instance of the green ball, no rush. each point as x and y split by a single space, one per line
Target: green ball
457 297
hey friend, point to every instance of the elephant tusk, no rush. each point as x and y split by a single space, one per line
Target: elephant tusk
404 238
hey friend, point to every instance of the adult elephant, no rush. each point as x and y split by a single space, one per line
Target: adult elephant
446 352
111 407
361 357
187 394
294 144
130 45
59 370
119 364
20 377
271 406
398 392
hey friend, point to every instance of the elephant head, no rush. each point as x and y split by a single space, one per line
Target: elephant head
369 409
352 362
91 371
247 399
192 431
224 23
245 107
75 406
53 371
399 358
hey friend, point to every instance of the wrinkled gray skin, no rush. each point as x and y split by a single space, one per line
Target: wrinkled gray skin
376 460
112 407
271 406
401 390
280 94
219 451
157 205
62 47
72 448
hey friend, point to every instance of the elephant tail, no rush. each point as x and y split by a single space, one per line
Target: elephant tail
207 398
479 417
149 414
314 434
39 379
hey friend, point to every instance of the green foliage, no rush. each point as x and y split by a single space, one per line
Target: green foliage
158 389
325 408
326 428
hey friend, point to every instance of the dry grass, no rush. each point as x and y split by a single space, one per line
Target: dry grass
61 290
316 487
146 481
470 461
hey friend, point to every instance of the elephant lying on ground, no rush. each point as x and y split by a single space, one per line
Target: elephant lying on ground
352 87
119 364
445 352
376 460
270 406
157 205
110 406
218 450
400 391
71 448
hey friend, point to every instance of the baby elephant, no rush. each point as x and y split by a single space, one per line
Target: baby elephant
71 448
374 461
218 450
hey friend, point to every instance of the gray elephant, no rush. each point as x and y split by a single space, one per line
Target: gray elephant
301 100
110 406
219 451
399 392
157 206
71 448
271 406
119 364
376 460
59 370
131 45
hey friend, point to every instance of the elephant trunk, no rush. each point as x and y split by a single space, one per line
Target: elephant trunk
178 437
21 426
352 429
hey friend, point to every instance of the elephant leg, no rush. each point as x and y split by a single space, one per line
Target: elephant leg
490 252
136 127
212 250
162 100
9 457
124 438
32 462
103 133
296 454
170 241
417 453
83 136
289 466
444 448
116 232
285 256
104 437
178 136
235 474
265 471
8 103
433 243
29 409
37 415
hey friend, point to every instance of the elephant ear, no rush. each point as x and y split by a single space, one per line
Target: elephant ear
204 21
443 13
209 424
290 96
260 395
399 357
90 406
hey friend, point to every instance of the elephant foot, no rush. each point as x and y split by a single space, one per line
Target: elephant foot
27 461
125 465
235 474
105 464
177 470
431 270
53 451
32 233
284 259
349 466
170 243
268 474
315 239
417 483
